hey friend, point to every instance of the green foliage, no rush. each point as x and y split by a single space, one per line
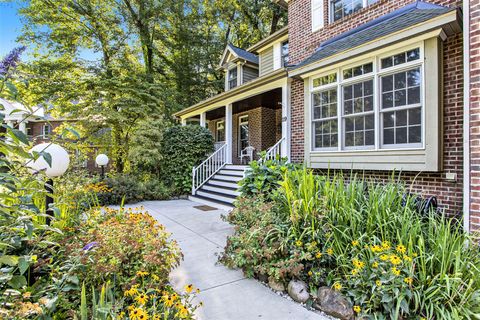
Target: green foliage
362 238
183 148
263 176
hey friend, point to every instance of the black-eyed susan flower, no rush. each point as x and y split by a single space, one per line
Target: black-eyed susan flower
378 283
357 309
318 255
395 271
189 288
141 299
298 243
142 273
355 243
401 249
330 251
408 281
337 286
375 265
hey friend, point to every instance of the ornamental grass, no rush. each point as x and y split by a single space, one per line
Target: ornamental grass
363 238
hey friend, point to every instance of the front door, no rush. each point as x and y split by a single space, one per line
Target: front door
243 134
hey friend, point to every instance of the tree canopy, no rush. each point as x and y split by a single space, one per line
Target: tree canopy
115 64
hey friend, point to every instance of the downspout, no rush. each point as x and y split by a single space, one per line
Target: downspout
466 115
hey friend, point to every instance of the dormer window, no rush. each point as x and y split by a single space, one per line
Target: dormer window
285 57
232 78
342 8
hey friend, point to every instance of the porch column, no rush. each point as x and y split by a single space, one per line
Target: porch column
184 121
229 131
203 119
286 119
22 126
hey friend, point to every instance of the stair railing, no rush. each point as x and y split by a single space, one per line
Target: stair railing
203 172
275 150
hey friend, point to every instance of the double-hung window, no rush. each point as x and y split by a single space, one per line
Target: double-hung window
232 78
370 105
342 8
220 132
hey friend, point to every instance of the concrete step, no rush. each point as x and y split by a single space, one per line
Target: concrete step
216 196
222 183
223 190
227 178
235 167
237 173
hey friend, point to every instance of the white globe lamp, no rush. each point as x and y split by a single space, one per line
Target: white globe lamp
102 160
60 159
59 163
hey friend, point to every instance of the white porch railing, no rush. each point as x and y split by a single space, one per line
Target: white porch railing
209 167
218 145
275 150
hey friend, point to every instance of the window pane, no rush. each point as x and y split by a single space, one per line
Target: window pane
387 83
401 58
405 86
359 132
414 134
414 116
331 78
413 54
403 126
325 134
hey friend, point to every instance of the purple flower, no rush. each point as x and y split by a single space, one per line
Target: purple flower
11 60
90 246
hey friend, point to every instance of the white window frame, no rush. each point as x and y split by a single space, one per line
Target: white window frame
241 120
317 15
44 133
229 80
376 76
331 10
216 130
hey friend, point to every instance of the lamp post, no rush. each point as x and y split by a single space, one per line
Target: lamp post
59 164
102 161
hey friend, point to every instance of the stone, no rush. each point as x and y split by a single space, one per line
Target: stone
262 277
333 303
275 285
298 290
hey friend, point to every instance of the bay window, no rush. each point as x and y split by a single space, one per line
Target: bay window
372 105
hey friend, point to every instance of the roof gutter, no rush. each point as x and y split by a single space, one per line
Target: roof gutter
466 115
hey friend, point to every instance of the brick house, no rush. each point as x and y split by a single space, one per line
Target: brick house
41 127
372 86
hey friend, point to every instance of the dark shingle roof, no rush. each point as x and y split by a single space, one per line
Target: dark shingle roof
395 21
244 54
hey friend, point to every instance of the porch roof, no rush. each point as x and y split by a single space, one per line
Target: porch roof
408 17
244 91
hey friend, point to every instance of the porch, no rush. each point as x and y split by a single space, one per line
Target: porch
244 122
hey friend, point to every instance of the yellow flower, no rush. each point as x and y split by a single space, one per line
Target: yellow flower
298 243
197 291
357 309
318 255
330 251
142 299
354 272
414 254
378 283
121 315
376 248
395 260
375 265
357 263
155 277
131 292
143 316
136 313
395 271
355 243
156 317
182 312
142 273
167 301
386 245
384 257
310 273
407 258
408 281
401 249
189 288
337 286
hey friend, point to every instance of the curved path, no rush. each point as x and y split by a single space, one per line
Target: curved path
226 294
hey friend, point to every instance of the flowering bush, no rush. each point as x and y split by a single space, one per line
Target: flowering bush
364 239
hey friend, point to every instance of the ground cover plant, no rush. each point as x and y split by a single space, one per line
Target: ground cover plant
362 238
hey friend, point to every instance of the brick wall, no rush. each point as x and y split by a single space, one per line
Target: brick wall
475 114
303 43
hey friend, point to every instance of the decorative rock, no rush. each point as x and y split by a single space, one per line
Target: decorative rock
333 303
298 290
275 285
262 277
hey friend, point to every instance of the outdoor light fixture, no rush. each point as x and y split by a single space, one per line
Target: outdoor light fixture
102 161
58 165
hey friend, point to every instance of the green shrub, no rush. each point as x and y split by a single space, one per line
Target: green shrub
364 239
263 176
127 188
184 147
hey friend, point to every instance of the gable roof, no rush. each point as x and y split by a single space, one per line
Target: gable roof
395 21
239 53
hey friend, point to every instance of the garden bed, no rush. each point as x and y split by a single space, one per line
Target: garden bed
360 246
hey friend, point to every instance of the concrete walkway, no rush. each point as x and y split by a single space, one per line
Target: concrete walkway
226 294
